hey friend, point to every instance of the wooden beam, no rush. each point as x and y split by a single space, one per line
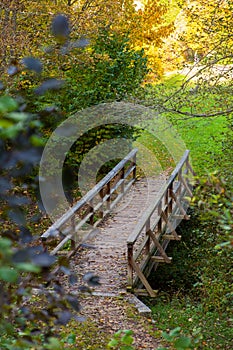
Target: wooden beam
142 278
160 259
158 245
169 225
171 237
174 196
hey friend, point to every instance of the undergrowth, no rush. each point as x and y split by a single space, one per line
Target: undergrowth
195 295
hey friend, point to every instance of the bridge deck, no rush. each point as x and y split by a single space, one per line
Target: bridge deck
109 258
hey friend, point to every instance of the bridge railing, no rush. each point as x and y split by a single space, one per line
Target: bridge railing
147 243
79 223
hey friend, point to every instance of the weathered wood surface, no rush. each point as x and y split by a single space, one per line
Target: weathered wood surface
109 258
151 235
93 207
133 239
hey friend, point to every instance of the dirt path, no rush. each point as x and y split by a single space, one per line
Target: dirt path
110 309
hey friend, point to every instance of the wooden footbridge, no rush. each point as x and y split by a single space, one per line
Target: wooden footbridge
128 223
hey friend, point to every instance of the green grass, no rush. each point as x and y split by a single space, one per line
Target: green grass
203 136
203 312
210 330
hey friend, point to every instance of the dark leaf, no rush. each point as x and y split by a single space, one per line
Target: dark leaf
51 84
73 301
21 291
58 288
20 171
63 317
81 43
16 201
1 86
65 270
12 70
25 235
5 185
21 256
32 155
91 279
43 260
60 27
35 218
32 63
73 279
17 216
42 315
35 250
85 289
87 246
79 318
25 310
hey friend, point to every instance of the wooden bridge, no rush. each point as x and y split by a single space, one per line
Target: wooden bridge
128 222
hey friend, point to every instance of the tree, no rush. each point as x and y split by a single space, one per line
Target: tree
205 42
149 28
27 271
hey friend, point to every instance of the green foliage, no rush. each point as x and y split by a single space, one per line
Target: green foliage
209 139
26 316
109 70
199 280
177 340
122 340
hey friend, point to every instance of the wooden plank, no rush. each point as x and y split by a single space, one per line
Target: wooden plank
148 213
143 292
174 196
186 186
129 265
144 264
158 246
139 250
171 237
169 225
121 195
89 195
142 278
181 217
160 259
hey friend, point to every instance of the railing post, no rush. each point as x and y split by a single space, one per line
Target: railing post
170 205
123 178
101 211
135 166
166 200
73 239
129 265
149 239
91 206
109 196
160 220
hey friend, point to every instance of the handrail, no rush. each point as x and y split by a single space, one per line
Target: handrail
143 220
121 174
147 244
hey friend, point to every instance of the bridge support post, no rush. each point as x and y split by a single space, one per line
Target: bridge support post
129 265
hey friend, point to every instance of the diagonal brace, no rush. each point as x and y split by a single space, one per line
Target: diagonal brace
158 245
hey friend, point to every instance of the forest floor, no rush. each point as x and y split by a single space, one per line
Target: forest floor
110 308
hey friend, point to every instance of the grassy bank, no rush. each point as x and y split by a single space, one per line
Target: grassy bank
203 136
194 292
